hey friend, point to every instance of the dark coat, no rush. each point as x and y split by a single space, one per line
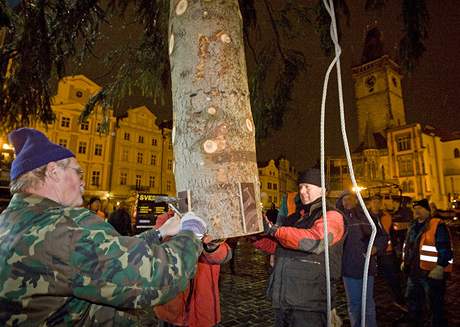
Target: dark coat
121 221
356 242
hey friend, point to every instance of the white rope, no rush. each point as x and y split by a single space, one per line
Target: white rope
329 5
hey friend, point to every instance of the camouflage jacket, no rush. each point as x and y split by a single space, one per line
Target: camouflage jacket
62 266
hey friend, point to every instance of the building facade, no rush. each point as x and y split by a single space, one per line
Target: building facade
134 156
276 178
395 157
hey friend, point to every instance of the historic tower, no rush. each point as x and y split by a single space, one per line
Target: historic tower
378 93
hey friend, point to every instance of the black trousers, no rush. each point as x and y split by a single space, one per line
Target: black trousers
426 294
389 268
299 318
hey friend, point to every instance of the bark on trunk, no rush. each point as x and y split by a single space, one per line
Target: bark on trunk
213 133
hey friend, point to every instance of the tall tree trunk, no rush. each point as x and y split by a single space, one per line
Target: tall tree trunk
213 133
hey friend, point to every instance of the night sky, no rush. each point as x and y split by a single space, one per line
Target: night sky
430 92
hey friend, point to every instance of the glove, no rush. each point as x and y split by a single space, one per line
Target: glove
269 227
170 227
194 224
437 273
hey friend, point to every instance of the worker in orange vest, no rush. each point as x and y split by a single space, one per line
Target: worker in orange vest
388 265
427 260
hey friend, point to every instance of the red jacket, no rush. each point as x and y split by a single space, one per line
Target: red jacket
199 305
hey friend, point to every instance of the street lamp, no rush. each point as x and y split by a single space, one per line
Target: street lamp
6 147
358 189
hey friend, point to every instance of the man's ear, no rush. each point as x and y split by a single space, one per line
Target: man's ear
52 171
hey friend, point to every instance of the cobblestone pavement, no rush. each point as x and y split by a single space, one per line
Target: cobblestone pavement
243 294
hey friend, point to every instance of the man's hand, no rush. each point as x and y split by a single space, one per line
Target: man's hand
194 224
437 273
269 227
170 227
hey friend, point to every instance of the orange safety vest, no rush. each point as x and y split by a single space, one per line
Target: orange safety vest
386 222
428 252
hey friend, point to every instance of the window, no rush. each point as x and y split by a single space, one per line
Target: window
63 142
98 127
168 186
141 139
403 142
125 155
406 166
154 142
152 181
407 186
84 126
98 150
153 160
123 178
169 164
95 178
456 153
82 147
270 199
138 181
126 136
275 199
275 187
65 122
140 157
269 186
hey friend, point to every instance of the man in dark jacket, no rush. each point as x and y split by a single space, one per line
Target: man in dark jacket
428 257
297 285
354 254
121 220
387 262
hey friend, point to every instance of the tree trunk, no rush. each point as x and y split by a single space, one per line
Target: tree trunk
213 133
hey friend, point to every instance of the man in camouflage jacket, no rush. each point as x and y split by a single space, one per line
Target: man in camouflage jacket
61 265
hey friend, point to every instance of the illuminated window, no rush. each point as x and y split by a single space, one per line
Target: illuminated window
140 157
95 178
98 150
82 147
65 122
123 178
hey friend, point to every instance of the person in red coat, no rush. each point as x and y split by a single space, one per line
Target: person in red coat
199 305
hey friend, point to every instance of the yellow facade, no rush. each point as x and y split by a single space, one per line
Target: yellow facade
276 179
417 162
451 153
143 156
393 153
136 156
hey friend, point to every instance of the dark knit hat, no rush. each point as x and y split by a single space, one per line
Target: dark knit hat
33 150
422 203
310 176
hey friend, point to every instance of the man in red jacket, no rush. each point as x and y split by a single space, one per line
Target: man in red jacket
297 285
199 305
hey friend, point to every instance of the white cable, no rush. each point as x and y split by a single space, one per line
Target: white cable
329 5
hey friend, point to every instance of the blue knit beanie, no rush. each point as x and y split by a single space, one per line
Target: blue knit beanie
33 150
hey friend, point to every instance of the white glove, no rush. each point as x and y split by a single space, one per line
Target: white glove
437 273
194 224
170 227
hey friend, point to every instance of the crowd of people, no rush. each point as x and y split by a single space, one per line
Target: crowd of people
414 267
63 263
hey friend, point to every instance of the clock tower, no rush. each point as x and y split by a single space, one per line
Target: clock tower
378 92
